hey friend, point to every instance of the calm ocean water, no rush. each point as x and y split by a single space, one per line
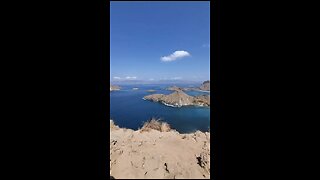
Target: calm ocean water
129 110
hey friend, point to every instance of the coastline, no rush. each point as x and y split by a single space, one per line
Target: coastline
170 105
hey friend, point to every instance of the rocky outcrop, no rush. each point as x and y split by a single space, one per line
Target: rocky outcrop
205 86
113 126
202 100
179 99
156 153
114 88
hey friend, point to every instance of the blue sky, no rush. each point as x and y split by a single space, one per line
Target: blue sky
154 41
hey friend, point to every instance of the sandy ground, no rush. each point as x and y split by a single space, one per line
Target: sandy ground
155 154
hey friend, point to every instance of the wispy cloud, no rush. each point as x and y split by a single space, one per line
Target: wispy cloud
131 77
174 56
125 78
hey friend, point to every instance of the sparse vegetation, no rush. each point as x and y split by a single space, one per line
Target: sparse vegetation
156 124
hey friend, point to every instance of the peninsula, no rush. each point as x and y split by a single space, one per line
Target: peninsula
179 99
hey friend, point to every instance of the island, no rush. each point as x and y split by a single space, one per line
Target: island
205 86
179 99
158 152
114 88
151 90
174 88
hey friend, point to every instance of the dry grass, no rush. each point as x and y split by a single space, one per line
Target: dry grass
156 124
113 126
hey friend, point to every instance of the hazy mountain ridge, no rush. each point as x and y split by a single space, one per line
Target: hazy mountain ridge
155 82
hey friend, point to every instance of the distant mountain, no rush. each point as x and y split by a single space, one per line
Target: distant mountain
205 86
122 82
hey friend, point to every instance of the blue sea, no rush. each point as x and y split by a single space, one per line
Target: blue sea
129 110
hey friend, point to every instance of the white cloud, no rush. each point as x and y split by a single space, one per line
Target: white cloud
116 78
131 77
151 79
174 56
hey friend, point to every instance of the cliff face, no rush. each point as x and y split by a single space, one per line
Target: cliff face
205 86
156 151
179 99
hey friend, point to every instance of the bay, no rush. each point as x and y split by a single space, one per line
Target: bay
129 110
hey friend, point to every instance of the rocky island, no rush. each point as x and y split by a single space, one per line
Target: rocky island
205 86
114 88
179 99
174 88
157 151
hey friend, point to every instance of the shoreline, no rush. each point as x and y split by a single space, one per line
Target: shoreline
175 106
173 129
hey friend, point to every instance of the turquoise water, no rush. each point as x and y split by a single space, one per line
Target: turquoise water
129 110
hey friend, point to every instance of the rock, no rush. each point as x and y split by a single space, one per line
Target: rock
203 160
113 126
202 100
205 86
114 88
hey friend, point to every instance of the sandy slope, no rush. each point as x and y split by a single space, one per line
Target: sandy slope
155 154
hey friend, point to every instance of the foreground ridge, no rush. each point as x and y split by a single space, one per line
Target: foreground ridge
157 151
